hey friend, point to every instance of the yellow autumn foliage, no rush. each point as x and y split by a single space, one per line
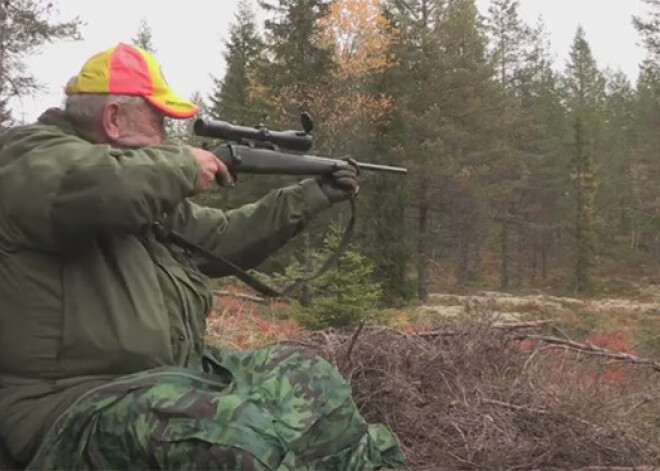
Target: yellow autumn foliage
359 36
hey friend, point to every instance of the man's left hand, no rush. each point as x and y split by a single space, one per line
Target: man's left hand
342 183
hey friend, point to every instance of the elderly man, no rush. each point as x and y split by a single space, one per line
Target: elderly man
102 362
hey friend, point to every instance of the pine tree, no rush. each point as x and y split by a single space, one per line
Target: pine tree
585 92
649 29
418 91
25 26
232 98
645 170
510 42
144 37
298 57
545 141
343 295
617 150
298 63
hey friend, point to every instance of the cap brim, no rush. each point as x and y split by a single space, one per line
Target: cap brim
174 106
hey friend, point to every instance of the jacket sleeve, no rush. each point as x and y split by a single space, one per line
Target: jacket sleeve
249 234
57 189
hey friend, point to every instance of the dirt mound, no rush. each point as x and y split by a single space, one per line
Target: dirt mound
477 395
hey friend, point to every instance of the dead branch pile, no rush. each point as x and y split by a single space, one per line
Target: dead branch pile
473 394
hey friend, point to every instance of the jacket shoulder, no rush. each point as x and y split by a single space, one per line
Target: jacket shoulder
28 135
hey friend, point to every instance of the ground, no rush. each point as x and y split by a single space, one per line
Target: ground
491 380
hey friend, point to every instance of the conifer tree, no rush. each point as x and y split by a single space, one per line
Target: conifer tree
510 41
144 37
585 93
25 26
232 98
545 139
293 41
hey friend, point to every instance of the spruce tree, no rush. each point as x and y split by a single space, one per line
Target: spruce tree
546 140
25 26
298 57
418 90
617 150
144 37
510 40
584 92
232 98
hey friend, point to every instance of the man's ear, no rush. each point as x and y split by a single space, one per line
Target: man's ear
111 121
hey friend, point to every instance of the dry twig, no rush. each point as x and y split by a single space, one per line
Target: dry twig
619 468
505 326
438 391
592 350
347 360
245 297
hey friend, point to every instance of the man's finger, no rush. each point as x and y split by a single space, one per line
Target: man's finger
353 164
346 182
344 173
223 176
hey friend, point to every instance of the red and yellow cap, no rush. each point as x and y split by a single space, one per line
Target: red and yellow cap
130 70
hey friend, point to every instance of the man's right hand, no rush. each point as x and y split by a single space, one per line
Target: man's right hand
210 168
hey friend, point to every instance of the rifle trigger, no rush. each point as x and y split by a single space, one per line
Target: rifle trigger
236 159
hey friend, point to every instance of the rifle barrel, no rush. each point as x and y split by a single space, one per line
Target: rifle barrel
382 168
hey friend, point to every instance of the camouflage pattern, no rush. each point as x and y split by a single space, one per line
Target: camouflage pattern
277 408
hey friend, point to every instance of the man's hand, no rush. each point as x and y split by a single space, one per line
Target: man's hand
342 183
210 169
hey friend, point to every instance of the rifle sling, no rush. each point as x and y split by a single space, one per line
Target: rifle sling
343 245
177 239
227 266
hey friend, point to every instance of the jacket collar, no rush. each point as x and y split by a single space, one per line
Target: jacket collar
57 117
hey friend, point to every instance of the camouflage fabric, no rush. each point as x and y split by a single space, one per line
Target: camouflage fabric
277 408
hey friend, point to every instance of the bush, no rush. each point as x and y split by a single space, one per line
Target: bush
343 295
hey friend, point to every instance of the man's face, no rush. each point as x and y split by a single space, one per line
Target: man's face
139 126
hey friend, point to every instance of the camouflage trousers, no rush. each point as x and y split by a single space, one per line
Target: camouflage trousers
277 408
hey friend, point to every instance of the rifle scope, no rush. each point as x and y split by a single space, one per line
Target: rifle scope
299 141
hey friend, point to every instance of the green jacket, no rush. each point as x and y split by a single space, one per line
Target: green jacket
87 293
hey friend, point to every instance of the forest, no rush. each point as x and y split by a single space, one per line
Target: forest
521 177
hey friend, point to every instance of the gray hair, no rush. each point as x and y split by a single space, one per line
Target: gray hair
84 109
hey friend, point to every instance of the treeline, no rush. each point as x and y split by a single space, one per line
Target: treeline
520 175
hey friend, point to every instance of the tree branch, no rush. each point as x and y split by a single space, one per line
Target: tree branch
245 297
592 350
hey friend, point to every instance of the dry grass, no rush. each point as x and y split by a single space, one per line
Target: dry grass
475 398
240 323
476 394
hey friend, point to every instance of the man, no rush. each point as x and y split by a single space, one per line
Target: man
102 362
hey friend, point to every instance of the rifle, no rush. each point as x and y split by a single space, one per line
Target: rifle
262 151
259 150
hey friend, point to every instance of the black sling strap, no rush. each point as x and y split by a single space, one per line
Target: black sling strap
164 234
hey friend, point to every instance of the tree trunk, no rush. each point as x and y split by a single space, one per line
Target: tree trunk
504 271
535 256
422 252
520 256
463 256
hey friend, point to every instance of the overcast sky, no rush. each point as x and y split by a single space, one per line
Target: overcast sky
188 36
